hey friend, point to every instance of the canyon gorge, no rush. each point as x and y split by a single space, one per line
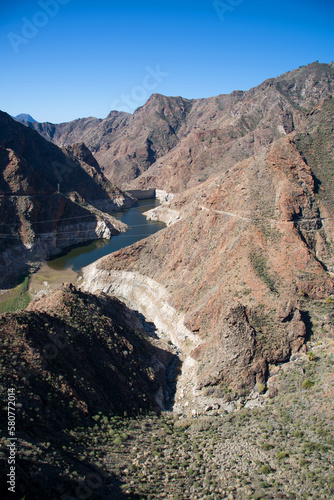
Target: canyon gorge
208 317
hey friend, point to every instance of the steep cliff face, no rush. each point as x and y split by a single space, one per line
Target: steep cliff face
249 256
49 198
173 143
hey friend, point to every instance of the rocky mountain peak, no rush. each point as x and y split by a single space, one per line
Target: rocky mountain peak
23 117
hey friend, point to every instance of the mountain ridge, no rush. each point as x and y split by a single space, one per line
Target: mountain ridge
148 148
248 261
227 314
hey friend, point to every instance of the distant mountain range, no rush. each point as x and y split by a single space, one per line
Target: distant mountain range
172 143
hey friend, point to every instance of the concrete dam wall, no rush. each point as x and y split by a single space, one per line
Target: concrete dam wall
142 194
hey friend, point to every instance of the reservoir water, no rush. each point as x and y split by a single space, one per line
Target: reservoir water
65 268
140 228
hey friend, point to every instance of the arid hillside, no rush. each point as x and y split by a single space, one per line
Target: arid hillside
85 378
249 260
198 362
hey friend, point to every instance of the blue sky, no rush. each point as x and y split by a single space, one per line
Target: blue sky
67 59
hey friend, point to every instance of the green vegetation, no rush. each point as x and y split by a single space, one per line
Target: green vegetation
311 356
261 388
282 454
266 469
16 299
259 263
316 148
307 384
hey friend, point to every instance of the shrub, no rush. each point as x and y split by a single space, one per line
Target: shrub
282 454
264 484
259 263
266 469
267 446
307 384
261 388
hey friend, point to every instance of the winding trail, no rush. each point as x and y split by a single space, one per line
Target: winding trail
225 213
252 219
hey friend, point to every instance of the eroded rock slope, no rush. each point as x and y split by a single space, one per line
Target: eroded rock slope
250 248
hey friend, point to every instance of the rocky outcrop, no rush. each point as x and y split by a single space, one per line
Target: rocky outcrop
163 196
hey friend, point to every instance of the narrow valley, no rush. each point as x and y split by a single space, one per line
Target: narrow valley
183 348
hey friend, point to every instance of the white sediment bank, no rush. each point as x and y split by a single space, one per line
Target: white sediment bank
163 196
152 300
164 214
